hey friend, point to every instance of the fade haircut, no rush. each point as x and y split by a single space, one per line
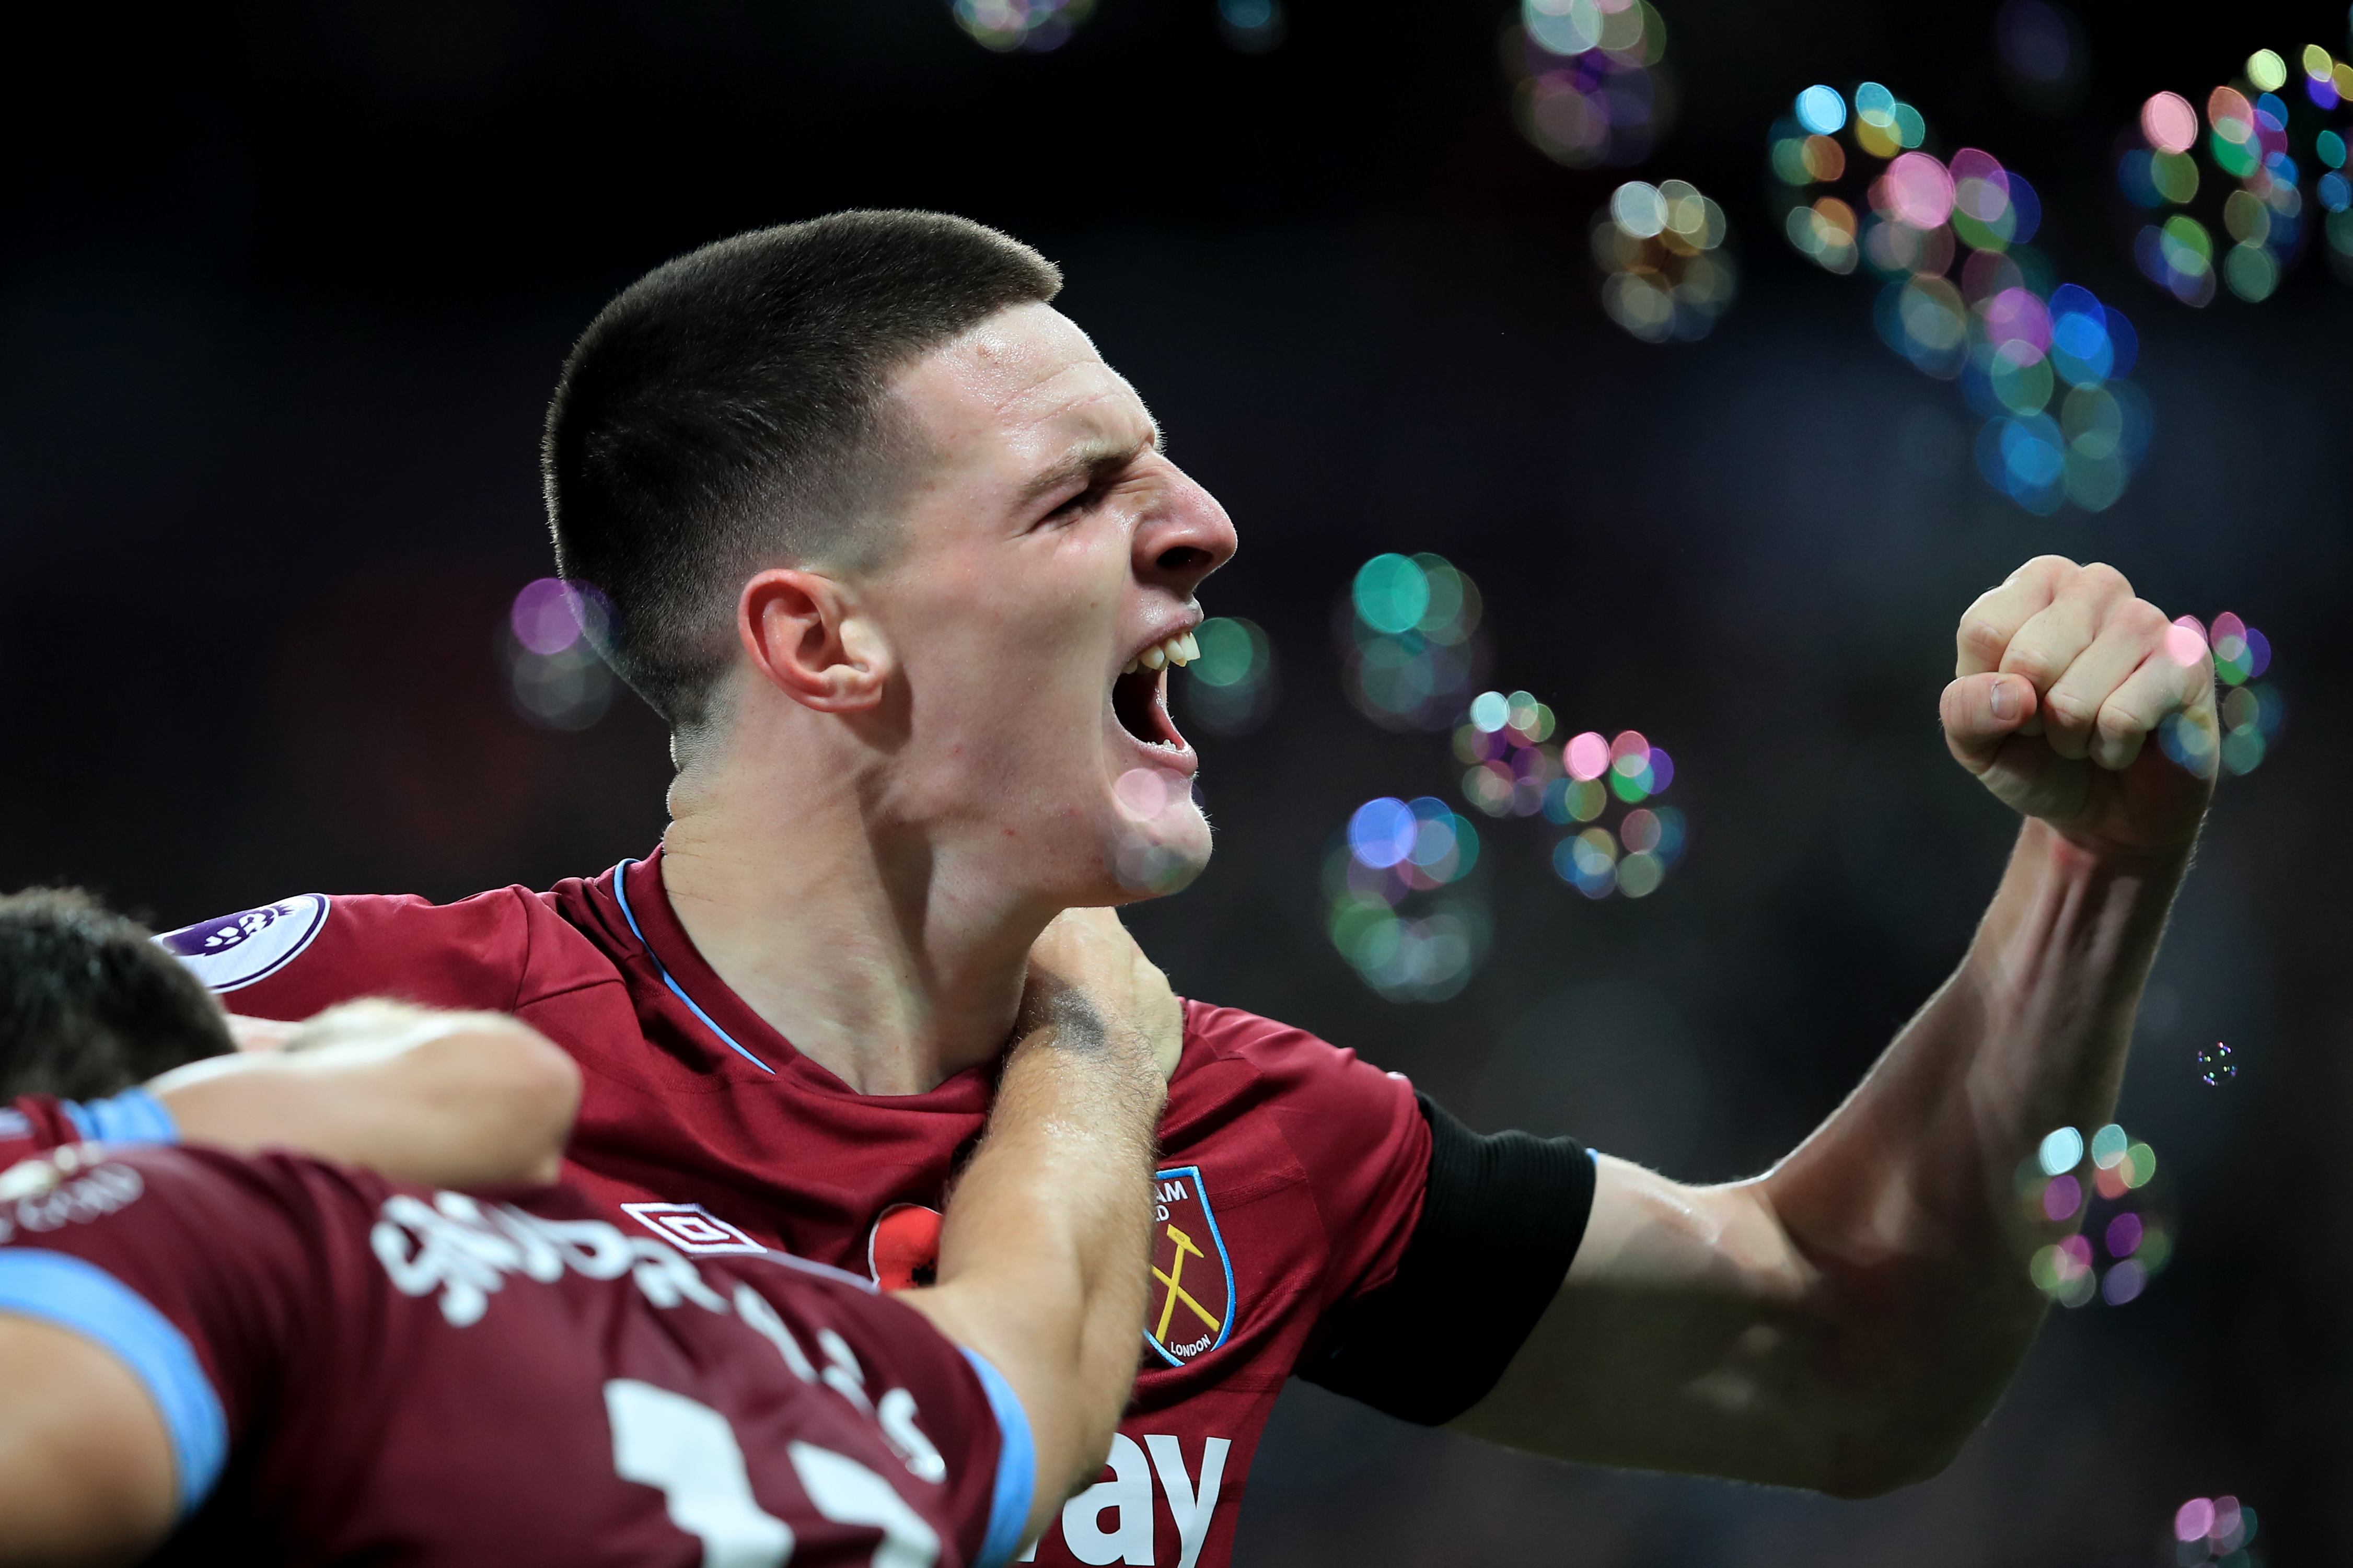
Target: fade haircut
729 412
89 1004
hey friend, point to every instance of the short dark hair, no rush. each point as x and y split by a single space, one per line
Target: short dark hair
726 413
89 1004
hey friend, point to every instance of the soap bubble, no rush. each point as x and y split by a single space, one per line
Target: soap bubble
2215 1067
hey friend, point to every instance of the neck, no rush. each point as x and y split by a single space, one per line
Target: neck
880 954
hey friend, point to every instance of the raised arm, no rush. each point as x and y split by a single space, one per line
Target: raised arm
447 1099
1847 1320
1045 1242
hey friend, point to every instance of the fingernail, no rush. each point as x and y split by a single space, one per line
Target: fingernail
2005 701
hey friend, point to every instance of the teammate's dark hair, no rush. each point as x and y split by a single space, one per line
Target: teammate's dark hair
89 1004
727 413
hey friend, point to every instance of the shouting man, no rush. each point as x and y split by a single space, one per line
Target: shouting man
900 560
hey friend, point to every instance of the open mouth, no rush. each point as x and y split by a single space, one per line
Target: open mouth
1139 697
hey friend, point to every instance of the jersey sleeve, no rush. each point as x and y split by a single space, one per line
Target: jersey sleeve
300 955
177 1262
1354 1129
33 1124
1013 1479
1503 1215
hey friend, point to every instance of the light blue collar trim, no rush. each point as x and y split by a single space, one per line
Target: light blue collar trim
621 892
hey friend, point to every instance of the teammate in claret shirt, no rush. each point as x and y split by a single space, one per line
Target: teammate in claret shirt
902 564
89 1006
277 1358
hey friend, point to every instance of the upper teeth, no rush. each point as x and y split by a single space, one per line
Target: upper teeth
1180 649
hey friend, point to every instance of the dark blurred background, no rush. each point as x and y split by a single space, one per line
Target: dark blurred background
284 289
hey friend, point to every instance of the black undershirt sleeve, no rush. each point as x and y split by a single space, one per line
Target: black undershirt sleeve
1501 1219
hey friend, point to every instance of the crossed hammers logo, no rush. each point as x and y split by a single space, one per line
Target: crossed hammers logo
1176 1293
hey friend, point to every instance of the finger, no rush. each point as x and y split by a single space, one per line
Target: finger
2129 634
252 1034
1988 625
2056 636
2161 687
1980 713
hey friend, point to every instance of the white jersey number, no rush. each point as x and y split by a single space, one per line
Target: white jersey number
685 1450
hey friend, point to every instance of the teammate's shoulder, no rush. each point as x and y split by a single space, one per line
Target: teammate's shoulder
319 948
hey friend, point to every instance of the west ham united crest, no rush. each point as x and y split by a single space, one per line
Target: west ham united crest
1192 1295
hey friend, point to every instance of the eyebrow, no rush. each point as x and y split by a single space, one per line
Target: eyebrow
1091 460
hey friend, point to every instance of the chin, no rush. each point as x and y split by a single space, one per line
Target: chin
1151 860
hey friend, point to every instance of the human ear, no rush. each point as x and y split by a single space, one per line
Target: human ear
808 637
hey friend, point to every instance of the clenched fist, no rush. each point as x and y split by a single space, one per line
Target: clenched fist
2062 680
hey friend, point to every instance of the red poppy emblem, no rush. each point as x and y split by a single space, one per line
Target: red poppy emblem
903 1249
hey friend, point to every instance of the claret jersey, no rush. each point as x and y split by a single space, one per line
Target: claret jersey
1291 1179
351 1370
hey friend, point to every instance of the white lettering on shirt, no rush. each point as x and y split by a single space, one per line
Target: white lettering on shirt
1188 1505
52 1202
466 1249
1127 1496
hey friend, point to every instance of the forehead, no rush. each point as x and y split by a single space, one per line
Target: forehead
1021 388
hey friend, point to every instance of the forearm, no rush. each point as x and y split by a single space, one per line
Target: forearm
1900 1206
1043 1246
1844 1321
445 1100
2030 1033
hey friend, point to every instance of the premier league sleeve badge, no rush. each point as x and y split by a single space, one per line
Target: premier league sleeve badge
235 951
1191 1297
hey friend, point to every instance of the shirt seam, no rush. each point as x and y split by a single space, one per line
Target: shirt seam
529 940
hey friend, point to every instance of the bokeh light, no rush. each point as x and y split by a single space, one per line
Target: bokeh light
2104 1190
1665 274
549 615
1966 297
2275 163
1407 946
1033 24
2215 1067
1230 687
1410 639
1396 906
1512 768
2214 1530
2169 122
556 679
1587 88
1250 26
2250 711
2042 53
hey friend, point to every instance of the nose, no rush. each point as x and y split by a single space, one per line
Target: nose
1185 539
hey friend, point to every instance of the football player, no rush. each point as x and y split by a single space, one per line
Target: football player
285 1359
904 566
90 1007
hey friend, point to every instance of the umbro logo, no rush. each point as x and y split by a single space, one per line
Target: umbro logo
691 1228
